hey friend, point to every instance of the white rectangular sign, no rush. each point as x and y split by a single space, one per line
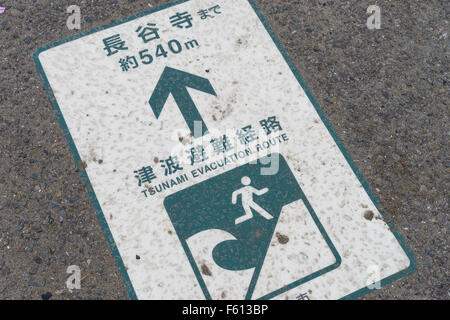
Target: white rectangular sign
211 167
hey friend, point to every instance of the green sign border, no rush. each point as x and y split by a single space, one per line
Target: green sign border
129 287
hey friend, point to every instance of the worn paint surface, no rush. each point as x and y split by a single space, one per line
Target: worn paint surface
109 119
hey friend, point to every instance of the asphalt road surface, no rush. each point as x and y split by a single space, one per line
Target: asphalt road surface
384 91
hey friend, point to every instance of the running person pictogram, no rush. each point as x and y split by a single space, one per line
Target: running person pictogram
247 202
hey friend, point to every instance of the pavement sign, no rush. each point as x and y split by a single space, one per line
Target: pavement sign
211 167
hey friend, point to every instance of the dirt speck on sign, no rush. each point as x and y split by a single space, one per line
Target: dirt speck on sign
283 239
205 270
368 215
82 165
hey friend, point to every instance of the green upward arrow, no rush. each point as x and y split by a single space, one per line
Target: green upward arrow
175 82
